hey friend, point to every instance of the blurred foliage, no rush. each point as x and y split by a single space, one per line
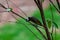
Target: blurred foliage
18 31
49 23
48 15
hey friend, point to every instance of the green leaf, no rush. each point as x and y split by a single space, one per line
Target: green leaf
55 25
49 22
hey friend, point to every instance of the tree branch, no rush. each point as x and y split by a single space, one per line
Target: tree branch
43 17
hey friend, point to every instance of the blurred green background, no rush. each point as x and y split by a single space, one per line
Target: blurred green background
18 31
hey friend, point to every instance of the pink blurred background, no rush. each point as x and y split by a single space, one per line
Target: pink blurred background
28 6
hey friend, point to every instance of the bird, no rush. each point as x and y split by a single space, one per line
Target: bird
34 20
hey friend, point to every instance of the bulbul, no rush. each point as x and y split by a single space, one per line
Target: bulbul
35 20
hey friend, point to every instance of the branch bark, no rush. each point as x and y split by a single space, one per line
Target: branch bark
39 4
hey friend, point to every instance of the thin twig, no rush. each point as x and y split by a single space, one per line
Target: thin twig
12 12
39 31
18 15
19 8
43 18
58 4
54 6
3 6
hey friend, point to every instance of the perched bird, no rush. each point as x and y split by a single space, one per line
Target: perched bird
34 20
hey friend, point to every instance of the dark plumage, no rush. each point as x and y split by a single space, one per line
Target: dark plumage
34 20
